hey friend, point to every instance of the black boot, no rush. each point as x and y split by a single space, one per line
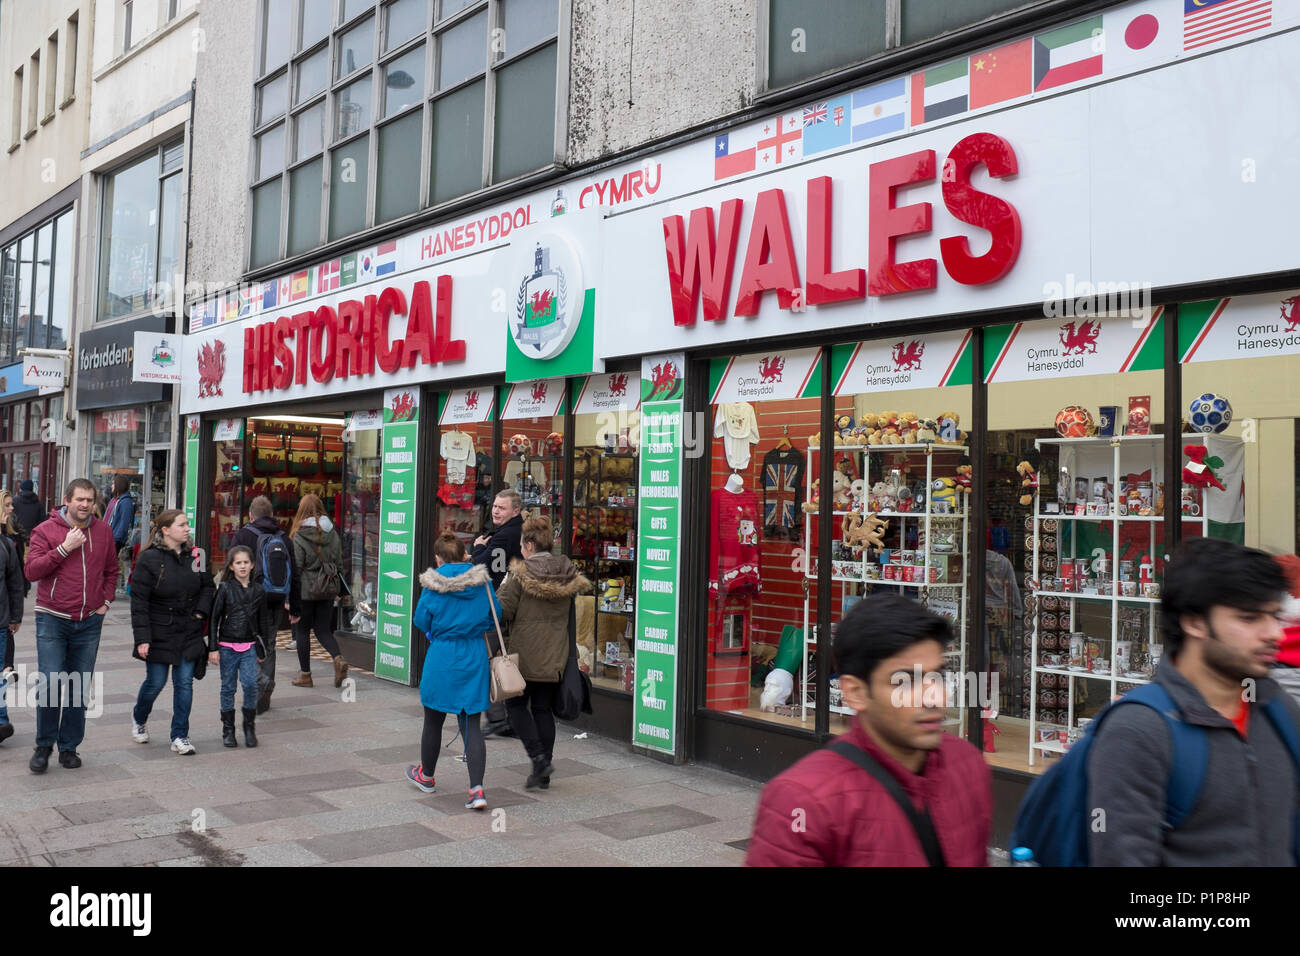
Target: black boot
250 718
228 729
541 775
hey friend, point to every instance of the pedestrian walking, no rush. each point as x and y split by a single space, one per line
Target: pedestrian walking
895 790
239 632
537 605
73 564
455 610
497 548
11 615
120 514
27 507
1220 721
317 551
170 600
273 569
16 535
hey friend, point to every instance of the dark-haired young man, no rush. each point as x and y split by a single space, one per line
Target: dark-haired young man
830 810
1219 619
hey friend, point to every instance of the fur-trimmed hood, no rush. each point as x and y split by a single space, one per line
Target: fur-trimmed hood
549 577
455 580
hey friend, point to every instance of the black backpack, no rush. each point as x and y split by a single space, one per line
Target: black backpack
273 563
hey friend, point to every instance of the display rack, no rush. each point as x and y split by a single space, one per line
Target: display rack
595 551
946 596
1128 455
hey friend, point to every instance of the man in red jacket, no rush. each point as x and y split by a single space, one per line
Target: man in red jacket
829 810
73 563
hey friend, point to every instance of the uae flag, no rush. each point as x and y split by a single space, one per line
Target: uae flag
940 92
1069 54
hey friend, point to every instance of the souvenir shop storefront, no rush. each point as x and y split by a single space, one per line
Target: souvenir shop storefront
978 394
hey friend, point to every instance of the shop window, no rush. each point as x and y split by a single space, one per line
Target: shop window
922 19
466 462
606 425
806 39
901 479
761 601
116 448
360 522
532 452
160 424
1075 404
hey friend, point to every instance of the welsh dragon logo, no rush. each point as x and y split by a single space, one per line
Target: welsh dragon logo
541 305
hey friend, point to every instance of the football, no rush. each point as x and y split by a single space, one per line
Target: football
1074 421
1210 414
519 445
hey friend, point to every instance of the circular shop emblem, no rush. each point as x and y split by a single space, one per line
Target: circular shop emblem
548 303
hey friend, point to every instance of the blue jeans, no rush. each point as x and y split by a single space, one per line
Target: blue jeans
182 695
4 644
244 665
64 647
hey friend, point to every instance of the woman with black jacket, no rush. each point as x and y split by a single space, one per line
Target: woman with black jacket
240 632
169 603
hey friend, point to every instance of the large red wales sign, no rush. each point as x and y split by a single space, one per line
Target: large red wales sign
352 339
702 253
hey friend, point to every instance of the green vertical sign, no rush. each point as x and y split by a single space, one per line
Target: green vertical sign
654 701
192 472
397 534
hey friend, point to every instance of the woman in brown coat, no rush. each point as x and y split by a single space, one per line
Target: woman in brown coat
537 605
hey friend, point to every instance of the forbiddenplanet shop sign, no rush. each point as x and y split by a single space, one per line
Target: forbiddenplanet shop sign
104 359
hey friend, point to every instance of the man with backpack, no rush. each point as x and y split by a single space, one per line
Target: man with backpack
895 790
1199 767
120 515
273 569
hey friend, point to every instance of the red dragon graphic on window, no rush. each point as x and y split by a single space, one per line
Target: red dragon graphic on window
663 380
1076 341
539 392
403 407
1291 314
618 384
212 369
770 369
471 399
907 355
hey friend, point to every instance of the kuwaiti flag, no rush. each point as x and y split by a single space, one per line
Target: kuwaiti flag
1002 74
386 258
1069 54
940 92
826 125
880 110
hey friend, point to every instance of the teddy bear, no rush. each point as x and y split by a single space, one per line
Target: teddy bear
881 499
964 471
857 492
840 491
948 432
908 425
891 436
815 440
861 530
810 506
1027 469
844 425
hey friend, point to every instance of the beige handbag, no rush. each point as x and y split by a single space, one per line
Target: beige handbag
504 680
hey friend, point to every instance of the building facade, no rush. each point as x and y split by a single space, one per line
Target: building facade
630 276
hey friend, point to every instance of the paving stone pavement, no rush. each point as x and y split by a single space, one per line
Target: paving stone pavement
326 788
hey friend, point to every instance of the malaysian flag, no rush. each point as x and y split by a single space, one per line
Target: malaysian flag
1211 21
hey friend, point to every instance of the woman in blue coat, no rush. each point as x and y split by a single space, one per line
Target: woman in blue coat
455 613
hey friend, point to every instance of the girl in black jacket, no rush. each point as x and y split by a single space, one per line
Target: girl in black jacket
169 603
241 628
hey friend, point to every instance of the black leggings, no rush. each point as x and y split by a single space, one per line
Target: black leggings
475 747
316 616
533 719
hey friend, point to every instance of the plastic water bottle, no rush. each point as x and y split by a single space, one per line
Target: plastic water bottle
1023 856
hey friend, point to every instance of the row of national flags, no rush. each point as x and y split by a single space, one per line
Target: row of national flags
316 280
1124 40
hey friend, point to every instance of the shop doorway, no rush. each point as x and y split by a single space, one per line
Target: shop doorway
153 493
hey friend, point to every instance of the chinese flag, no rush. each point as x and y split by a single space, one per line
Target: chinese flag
1002 74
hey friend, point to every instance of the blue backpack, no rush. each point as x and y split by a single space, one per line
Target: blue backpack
274 563
1053 819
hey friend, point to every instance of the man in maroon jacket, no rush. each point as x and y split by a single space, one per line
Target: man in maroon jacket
73 563
829 810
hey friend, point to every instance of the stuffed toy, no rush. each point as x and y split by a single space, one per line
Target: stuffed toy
864 530
810 506
857 492
844 425
815 440
943 491
840 491
1199 470
948 432
964 471
1027 469
777 688
926 431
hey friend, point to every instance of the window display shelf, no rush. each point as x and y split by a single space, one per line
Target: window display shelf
1100 468
620 613
915 446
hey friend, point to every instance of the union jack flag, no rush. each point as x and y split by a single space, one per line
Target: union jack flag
781 494
812 115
